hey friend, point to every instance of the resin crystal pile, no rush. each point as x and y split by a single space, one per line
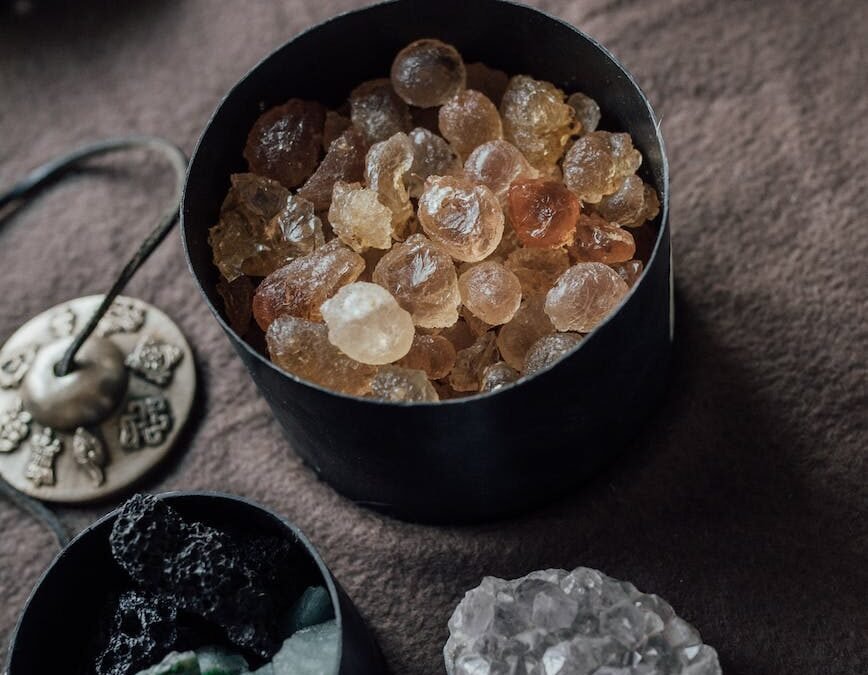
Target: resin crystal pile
446 232
582 622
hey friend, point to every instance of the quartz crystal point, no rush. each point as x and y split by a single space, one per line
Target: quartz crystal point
583 296
422 278
367 324
286 141
555 622
302 348
464 218
427 73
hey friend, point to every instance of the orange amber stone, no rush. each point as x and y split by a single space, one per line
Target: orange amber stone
543 212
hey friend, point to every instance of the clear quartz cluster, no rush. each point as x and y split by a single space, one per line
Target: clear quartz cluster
448 230
554 622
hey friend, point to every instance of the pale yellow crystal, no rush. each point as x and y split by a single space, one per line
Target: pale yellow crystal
367 324
358 217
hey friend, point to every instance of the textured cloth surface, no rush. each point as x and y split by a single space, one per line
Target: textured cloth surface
745 503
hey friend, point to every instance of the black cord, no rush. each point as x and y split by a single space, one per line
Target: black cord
37 179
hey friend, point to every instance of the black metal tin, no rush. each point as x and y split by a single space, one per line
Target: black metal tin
494 454
57 626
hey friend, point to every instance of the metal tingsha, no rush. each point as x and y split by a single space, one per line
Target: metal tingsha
91 433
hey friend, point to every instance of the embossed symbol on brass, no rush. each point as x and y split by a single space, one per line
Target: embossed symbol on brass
122 317
14 367
89 454
62 323
44 447
155 360
146 421
14 426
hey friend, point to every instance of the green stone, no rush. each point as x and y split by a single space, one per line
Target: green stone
176 663
313 607
218 661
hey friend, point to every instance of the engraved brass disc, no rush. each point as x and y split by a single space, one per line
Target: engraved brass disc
95 431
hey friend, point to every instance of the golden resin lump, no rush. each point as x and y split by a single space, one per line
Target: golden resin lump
427 73
286 141
583 296
468 120
433 354
245 241
386 165
497 165
377 111
359 219
300 287
462 217
302 348
432 156
491 292
536 119
402 385
422 278
344 162
596 164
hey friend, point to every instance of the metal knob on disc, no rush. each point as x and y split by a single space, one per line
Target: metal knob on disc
114 416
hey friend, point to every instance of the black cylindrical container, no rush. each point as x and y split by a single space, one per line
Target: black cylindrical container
493 454
57 626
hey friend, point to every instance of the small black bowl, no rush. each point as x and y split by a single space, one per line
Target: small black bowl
57 626
493 454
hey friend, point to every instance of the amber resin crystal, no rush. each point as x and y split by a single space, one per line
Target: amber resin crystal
448 230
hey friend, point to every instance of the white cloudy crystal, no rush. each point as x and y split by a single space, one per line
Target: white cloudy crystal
555 622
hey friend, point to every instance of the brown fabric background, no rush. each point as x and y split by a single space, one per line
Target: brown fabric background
746 502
